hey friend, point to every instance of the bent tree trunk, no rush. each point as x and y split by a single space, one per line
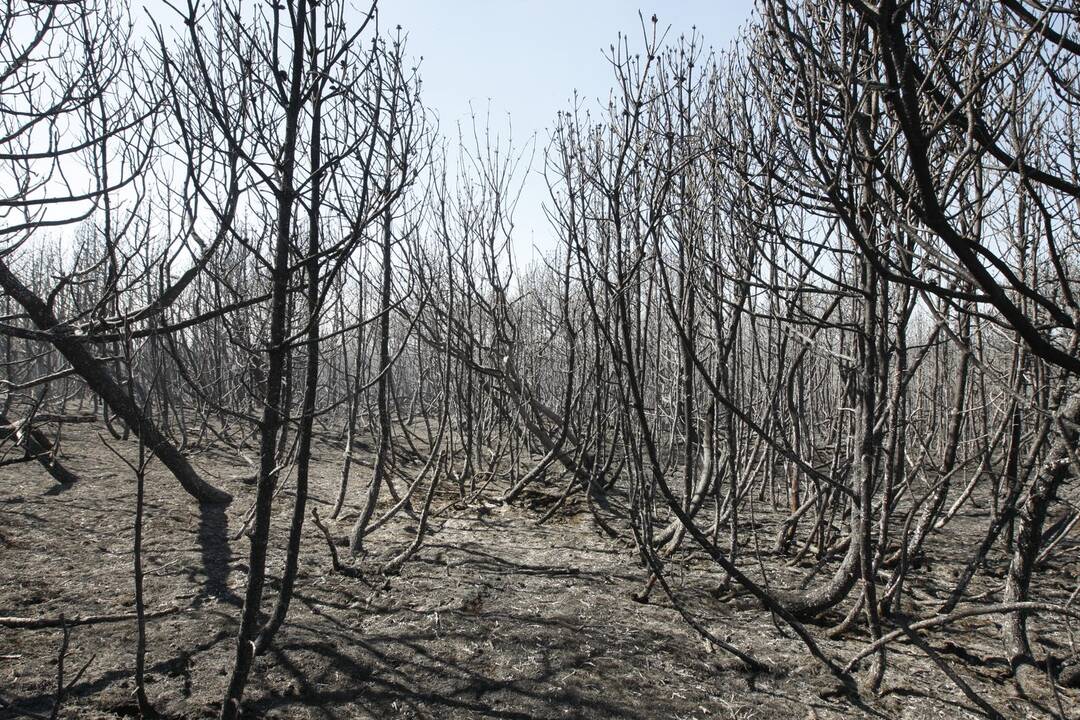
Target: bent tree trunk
40 448
512 381
952 443
1032 517
98 379
806 604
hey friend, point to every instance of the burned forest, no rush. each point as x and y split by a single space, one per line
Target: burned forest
780 419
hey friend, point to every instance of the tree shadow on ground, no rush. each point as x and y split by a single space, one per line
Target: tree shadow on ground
216 553
420 674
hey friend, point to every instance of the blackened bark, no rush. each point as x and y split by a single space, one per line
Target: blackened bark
100 380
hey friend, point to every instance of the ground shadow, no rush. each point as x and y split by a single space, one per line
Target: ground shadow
214 549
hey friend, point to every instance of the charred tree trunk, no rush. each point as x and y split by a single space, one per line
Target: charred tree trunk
272 416
101 381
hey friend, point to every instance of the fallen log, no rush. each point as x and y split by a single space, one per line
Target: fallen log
20 623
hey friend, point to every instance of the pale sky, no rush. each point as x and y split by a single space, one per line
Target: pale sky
525 58
520 61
